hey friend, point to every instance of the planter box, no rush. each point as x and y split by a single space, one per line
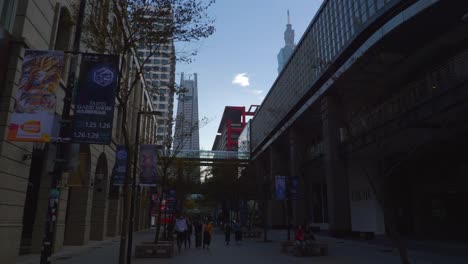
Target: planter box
164 249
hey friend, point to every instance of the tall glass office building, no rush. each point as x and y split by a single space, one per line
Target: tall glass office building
160 78
187 136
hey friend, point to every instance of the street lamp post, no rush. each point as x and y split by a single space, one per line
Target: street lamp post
132 203
54 194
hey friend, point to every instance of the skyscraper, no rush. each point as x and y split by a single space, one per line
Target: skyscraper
287 50
160 77
187 136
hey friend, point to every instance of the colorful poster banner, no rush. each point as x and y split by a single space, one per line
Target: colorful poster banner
120 167
280 187
33 116
148 163
95 99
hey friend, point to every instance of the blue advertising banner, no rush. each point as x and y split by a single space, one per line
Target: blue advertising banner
294 193
95 99
280 187
120 167
148 162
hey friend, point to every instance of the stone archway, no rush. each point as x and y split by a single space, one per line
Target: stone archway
99 204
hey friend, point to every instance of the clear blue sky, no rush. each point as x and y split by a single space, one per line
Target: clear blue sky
249 35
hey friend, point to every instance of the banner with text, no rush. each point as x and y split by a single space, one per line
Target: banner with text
33 116
120 167
280 187
95 99
148 162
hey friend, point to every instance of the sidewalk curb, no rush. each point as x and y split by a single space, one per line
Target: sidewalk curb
65 253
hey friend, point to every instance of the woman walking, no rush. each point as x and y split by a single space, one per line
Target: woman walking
207 232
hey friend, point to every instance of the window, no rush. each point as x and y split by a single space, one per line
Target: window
165 62
155 76
162 98
156 61
164 69
154 83
156 68
160 130
6 13
162 106
163 76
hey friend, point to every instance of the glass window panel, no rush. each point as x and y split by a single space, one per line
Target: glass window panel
380 4
371 7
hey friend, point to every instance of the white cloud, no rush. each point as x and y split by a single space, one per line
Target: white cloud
241 79
257 92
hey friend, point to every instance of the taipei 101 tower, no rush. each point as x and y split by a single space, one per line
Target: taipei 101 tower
287 50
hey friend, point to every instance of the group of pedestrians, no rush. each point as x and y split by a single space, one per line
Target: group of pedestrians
184 229
228 228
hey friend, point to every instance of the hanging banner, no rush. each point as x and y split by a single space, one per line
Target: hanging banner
148 162
120 167
95 99
280 187
33 116
294 193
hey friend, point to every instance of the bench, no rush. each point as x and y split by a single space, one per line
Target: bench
251 234
310 248
164 249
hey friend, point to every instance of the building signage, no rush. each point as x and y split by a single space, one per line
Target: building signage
280 187
120 167
94 104
33 116
148 162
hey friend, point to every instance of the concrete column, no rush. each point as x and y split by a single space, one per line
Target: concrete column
278 162
295 160
336 177
99 212
112 218
136 222
366 213
77 229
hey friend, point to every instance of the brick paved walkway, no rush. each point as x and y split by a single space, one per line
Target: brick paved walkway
251 251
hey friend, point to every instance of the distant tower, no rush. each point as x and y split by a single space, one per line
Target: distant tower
287 50
186 126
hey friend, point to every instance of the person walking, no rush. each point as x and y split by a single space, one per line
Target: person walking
207 232
198 233
181 229
237 231
188 235
227 233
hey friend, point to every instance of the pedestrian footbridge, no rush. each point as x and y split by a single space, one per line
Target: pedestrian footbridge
209 157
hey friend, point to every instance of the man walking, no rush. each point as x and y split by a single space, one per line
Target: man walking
181 229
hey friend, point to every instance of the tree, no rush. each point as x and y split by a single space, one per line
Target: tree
120 27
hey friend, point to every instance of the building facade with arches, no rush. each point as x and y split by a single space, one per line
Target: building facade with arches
90 207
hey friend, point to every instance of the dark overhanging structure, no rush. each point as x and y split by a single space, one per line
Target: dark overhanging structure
369 113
